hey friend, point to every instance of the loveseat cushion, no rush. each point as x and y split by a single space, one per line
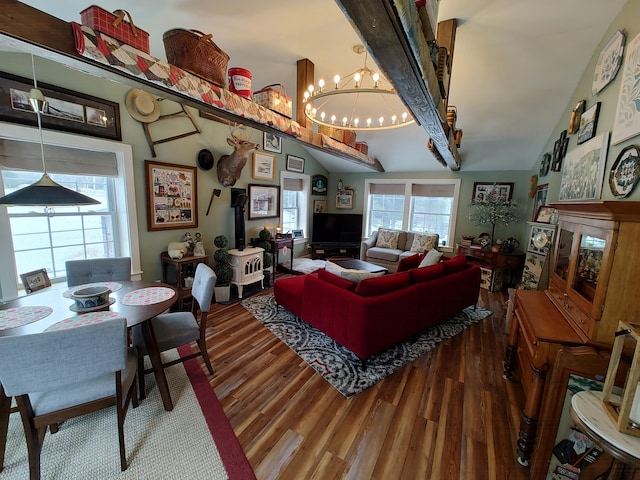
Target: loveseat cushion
456 264
336 280
387 254
423 242
423 274
380 285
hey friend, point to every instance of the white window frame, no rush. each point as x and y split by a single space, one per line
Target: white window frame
303 220
126 216
408 204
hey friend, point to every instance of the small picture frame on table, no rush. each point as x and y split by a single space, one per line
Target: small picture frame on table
297 233
36 280
544 214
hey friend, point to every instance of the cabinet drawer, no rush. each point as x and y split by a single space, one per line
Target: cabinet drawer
508 261
556 294
583 321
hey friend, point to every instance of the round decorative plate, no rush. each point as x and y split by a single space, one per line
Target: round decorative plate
625 172
545 164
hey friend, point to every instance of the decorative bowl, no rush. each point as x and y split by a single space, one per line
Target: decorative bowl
91 297
468 237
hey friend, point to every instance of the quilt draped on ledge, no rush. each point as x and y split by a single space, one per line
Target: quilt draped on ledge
136 63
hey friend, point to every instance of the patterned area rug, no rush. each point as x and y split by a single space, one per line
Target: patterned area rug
339 366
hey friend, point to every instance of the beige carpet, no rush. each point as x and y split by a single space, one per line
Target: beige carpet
159 444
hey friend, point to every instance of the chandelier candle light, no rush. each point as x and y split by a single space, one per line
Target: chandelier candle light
339 106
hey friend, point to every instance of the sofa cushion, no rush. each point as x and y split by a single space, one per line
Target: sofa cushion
387 238
456 264
431 258
387 254
351 274
423 242
336 280
409 262
380 285
424 274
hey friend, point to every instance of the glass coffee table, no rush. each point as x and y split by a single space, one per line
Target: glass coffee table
354 264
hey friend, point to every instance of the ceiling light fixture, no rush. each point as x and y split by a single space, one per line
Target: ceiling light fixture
361 101
45 191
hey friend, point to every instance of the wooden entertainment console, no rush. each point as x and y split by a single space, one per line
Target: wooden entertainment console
322 252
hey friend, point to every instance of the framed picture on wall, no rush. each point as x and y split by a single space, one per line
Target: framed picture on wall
583 170
588 123
483 190
172 200
263 201
540 198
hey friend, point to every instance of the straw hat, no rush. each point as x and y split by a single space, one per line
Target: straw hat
142 106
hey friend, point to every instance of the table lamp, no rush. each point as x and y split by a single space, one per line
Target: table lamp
625 412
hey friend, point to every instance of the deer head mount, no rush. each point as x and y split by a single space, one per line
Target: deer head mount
230 166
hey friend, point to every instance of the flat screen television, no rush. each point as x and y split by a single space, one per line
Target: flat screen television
337 229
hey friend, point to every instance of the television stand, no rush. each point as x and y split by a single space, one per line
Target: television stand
325 252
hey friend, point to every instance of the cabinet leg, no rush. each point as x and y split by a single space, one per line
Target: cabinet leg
526 439
509 361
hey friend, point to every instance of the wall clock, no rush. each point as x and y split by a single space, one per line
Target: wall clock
608 63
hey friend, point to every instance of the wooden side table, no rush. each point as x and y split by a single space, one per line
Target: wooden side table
180 265
589 414
284 244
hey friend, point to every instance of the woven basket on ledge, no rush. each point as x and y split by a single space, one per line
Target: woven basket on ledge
196 53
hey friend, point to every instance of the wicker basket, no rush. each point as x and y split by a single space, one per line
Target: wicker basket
196 53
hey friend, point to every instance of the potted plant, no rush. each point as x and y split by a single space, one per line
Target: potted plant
492 209
263 242
222 269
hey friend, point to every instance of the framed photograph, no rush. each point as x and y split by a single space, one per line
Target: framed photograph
588 123
584 170
172 200
66 110
540 199
36 280
272 143
608 63
295 164
319 206
264 201
297 233
484 190
544 214
344 200
264 166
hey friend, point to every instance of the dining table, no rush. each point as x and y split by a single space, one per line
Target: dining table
54 308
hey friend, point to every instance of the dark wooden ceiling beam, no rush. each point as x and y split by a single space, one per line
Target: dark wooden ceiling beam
379 28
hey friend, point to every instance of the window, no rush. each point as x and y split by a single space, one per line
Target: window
100 168
419 206
295 192
48 241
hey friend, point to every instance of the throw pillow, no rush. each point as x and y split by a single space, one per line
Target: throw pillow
334 268
422 243
336 280
378 286
430 258
387 238
351 275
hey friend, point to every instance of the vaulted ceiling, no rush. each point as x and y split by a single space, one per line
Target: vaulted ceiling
516 64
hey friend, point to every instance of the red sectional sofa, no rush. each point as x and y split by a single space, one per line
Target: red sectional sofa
375 313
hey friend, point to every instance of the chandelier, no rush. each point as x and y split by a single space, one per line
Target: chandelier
361 101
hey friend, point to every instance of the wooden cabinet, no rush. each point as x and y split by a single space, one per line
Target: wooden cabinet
494 265
592 287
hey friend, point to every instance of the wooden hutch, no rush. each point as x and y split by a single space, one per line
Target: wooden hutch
592 288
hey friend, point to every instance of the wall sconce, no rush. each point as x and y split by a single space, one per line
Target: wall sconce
625 412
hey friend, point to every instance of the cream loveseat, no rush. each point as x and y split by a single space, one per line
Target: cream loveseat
387 247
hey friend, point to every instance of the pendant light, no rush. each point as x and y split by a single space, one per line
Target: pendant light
45 191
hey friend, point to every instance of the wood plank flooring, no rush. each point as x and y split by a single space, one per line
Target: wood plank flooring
447 415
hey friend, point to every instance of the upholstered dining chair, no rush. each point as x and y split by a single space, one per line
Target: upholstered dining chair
174 329
68 373
92 270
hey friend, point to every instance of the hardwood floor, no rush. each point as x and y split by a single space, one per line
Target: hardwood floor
449 414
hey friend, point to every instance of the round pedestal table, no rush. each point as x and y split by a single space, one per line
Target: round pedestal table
591 417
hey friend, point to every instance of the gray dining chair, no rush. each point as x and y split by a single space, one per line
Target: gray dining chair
92 270
68 373
174 329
